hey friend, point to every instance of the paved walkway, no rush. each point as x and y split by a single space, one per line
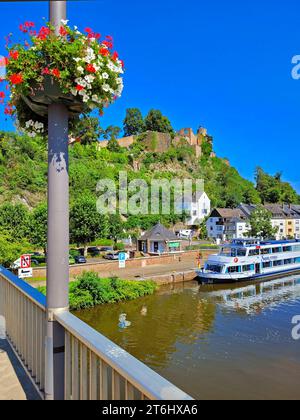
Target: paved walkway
14 382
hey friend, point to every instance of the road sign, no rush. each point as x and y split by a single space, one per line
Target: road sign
25 261
24 273
122 260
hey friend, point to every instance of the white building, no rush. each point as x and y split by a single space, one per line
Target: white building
197 209
227 224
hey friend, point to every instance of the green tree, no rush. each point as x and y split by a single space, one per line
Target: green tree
37 227
14 219
112 131
115 227
113 145
260 224
86 224
10 250
273 190
88 130
155 121
133 123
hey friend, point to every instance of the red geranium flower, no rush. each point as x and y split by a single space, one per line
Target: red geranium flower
108 44
123 64
14 55
43 33
90 68
79 88
56 73
16 78
88 30
63 31
104 51
46 71
2 96
29 24
115 56
8 110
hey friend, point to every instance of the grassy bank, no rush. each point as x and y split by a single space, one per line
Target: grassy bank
90 290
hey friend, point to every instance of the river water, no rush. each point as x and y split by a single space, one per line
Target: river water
214 342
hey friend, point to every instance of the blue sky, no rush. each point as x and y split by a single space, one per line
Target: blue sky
225 65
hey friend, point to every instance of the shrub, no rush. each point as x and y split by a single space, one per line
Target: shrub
90 290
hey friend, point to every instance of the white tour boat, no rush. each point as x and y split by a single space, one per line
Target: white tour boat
248 259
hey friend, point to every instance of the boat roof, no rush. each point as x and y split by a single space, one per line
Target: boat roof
245 243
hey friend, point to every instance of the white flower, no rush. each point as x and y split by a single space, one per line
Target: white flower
77 59
74 91
105 75
80 69
64 22
95 98
90 78
85 98
106 88
75 28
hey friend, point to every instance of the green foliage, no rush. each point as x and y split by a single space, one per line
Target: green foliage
86 224
10 249
133 123
113 145
155 121
261 225
273 190
14 219
91 290
37 226
88 130
111 132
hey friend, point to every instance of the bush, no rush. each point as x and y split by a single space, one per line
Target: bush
90 290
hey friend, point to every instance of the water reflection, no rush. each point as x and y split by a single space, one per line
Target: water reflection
214 341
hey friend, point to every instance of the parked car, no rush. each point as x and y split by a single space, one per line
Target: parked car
115 255
111 256
79 259
93 251
106 248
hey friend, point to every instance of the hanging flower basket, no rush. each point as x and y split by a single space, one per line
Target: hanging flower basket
50 93
79 70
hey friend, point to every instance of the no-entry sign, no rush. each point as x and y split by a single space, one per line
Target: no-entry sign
25 261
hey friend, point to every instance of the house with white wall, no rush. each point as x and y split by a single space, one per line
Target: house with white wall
197 209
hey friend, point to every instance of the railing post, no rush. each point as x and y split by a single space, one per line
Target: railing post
58 232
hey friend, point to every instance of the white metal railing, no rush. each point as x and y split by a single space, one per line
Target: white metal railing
95 367
23 309
98 369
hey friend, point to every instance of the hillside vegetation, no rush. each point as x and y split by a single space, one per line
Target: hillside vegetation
23 182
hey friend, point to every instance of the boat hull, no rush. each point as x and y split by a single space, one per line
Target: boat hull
206 278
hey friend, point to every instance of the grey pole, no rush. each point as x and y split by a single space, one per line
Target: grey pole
58 232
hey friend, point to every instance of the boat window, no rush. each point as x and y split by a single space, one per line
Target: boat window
267 264
241 252
287 249
275 250
234 269
277 263
289 261
228 252
249 267
253 252
214 268
265 251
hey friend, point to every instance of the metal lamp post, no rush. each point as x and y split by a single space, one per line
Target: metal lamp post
58 231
